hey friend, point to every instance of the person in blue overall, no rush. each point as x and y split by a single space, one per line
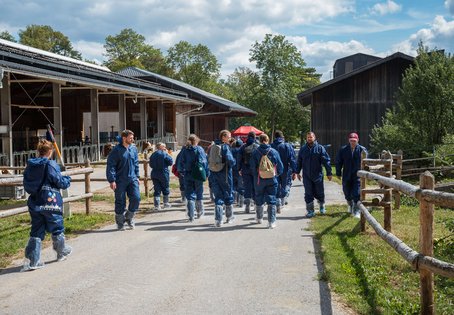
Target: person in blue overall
348 163
287 154
193 187
43 175
238 187
266 186
180 178
244 168
159 162
220 163
310 159
122 173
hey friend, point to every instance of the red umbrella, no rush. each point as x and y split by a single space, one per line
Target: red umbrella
244 130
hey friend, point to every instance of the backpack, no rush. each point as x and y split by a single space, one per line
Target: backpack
266 167
198 169
248 152
215 158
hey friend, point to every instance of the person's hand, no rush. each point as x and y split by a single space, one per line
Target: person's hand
299 176
240 172
113 186
330 177
293 176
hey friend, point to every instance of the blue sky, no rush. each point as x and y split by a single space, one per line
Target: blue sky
322 30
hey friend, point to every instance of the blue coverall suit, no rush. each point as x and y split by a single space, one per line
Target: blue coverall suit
248 176
43 171
287 154
266 189
310 160
238 185
180 178
123 169
348 163
222 184
159 163
193 187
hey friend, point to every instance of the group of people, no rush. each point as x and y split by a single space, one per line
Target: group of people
254 174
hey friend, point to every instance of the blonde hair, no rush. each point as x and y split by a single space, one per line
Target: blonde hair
44 147
223 133
193 140
263 138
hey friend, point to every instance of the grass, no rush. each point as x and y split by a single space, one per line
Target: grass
368 274
14 232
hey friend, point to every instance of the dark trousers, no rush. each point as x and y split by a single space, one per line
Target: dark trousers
313 189
351 189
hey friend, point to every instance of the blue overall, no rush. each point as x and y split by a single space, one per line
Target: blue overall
193 188
245 168
123 169
180 175
348 163
159 163
287 155
238 185
310 161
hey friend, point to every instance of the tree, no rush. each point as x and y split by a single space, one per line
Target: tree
283 74
7 36
424 113
128 49
194 64
45 38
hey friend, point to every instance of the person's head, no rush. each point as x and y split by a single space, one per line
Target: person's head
310 137
45 148
353 139
264 138
238 143
251 134
224 136
161 146
127 137
193 140
278 134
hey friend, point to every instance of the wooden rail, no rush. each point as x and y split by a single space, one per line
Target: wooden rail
422 261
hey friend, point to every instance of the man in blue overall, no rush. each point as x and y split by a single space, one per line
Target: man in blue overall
244 168
159 162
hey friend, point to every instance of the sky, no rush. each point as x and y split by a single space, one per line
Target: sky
322 30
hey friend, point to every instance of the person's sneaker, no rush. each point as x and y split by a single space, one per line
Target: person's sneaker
322 210
120 227
271 225
310 214
230 220
217 223
167 205
67 251
259 221
357 214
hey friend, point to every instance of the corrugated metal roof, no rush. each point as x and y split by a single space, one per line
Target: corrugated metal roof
192 91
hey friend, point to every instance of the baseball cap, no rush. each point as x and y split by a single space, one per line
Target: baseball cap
353 135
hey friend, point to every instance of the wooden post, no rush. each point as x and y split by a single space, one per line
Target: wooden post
398 177
145 173
387 195
426 210
87 189
363 194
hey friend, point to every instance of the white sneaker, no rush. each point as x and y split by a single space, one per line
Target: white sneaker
357 214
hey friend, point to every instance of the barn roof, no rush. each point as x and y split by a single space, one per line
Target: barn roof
192 92
305 97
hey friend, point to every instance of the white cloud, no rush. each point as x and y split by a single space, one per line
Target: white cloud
449 4
388 7
90 50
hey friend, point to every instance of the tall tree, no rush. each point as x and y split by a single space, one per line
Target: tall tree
45 38
283 74
6 35
194 64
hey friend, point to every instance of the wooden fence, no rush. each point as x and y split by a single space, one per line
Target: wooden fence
423 260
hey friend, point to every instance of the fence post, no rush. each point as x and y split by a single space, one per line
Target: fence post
363 194
145 173
387 195
87 189
400 155
426 210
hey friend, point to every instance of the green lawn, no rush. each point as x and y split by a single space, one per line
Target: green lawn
368 274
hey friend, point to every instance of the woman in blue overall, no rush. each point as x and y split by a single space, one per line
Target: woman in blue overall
159 162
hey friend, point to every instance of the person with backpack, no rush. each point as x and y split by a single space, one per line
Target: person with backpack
180 178
220 163
43 181
311 157
244 168
159 162
194 165
238 187
122 173
266 166
287 155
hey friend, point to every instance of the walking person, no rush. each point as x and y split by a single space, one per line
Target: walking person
159 162
287 155
266 166
244 168
311 157
180 178
43 181
193 160
220 163
238 186
348 163
122 173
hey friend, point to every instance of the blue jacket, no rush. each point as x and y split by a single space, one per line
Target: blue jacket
243 166
286 152
237 154
159 163
348 162
224 175
188 154
311 159
34 174
122 164
274 157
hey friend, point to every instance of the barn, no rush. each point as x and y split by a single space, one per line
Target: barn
356 99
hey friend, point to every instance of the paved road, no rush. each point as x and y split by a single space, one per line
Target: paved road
169 266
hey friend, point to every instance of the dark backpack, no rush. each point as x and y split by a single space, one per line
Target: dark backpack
198 169
248 152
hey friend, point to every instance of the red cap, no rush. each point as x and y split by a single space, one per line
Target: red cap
353 135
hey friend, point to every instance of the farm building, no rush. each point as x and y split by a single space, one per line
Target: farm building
356 99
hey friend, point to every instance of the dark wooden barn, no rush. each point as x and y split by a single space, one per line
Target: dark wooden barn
356 99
